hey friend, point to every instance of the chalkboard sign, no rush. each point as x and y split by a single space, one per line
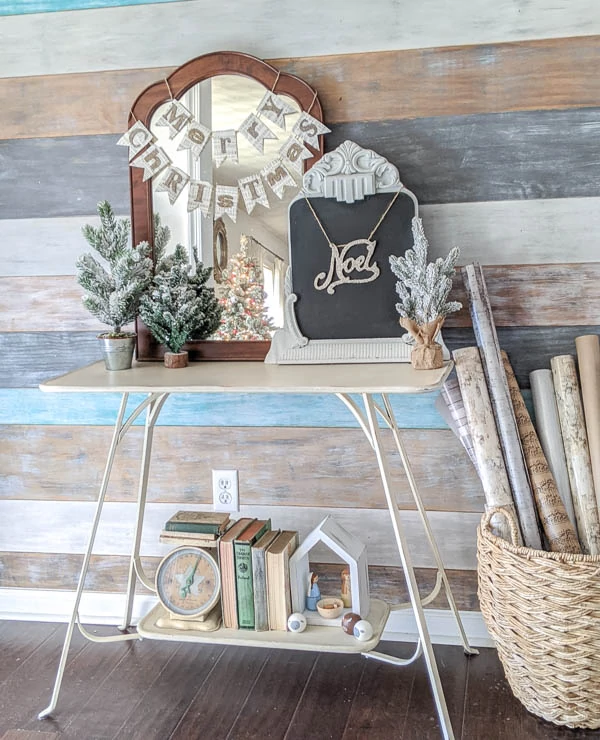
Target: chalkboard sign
340 292
348 310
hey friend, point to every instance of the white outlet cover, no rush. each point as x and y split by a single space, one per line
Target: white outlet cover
225 490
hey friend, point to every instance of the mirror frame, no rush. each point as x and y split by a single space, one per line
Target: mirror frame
142 225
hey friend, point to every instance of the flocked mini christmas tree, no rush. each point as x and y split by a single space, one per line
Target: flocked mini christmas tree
180 305
113 289
423 289
243 300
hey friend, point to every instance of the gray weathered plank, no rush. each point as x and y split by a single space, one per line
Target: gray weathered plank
496 156
62 176
33 357
443 159
529 347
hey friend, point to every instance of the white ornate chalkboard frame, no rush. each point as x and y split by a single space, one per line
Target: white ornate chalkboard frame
348 175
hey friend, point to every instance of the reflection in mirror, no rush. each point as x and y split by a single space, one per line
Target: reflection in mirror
223 103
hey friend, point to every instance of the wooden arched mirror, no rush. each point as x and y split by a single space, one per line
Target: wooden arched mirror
220 89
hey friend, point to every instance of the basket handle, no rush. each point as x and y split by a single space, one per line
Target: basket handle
513 527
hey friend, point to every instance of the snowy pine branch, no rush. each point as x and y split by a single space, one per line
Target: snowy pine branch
423 287
115 285
179 305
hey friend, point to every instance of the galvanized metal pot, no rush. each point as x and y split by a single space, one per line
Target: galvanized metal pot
117 351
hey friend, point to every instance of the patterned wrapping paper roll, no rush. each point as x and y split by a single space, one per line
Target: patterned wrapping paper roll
486 444
487 341
588 359
572 425
550 436
452 398
560 533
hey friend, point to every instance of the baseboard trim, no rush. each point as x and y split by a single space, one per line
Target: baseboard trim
107 608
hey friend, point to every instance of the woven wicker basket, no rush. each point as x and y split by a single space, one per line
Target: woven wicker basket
543 611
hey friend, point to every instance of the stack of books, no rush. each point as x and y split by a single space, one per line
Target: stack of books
253 561
199 528
255 581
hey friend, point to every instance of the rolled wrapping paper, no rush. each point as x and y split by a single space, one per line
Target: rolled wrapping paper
572 425
452 399
588 359
548 429
486 443
559 531
487 341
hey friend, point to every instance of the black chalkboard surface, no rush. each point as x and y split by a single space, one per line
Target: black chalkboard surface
353 311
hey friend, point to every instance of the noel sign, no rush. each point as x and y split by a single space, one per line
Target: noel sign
188 134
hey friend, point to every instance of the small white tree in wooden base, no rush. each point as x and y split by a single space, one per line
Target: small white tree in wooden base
423 289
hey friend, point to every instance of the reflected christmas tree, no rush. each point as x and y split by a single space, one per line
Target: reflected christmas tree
243 300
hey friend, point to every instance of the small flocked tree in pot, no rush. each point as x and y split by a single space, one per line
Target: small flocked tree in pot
114 286
423 289
180 305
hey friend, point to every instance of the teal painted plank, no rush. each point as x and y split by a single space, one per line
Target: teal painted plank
31 406
24 7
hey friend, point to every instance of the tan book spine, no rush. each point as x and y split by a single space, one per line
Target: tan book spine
572 425
588 358
484 435
559 531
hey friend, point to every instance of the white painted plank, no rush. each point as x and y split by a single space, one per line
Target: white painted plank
63 527
42 246
55 606
532 232
170 34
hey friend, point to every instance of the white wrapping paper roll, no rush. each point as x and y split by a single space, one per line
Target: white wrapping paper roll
548 428
572 425
588 358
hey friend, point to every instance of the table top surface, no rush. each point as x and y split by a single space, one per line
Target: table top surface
250 377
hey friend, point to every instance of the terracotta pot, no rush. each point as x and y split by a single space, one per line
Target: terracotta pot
175 360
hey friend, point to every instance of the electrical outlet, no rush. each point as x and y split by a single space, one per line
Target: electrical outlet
226 495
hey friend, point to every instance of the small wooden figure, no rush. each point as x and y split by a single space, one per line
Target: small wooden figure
314 593
345 592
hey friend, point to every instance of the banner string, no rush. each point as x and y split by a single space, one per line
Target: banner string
276 80
169 88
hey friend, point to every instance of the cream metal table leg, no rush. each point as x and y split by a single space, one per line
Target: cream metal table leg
413 591
117 434
154 406
391 422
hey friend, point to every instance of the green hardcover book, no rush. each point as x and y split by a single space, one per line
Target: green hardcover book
242 549
206 522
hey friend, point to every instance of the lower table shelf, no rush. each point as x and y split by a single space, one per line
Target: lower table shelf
322 639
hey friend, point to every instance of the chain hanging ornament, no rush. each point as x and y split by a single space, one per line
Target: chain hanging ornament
175 118
253 192
275 109
308 129
255 131
226 202
172 182
200 196
136 138
344 262
277 177
195 139
293 153
224 146
153 161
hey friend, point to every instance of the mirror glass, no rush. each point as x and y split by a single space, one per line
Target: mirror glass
223 103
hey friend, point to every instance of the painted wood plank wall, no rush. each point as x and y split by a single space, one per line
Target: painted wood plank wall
491 115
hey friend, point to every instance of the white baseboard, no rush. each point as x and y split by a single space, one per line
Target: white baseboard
107 608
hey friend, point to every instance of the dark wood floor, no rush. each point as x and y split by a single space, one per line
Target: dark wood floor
163 691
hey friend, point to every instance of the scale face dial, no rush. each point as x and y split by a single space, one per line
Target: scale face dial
188 582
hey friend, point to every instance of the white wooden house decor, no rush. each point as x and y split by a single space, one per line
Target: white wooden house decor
350 550
339 296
